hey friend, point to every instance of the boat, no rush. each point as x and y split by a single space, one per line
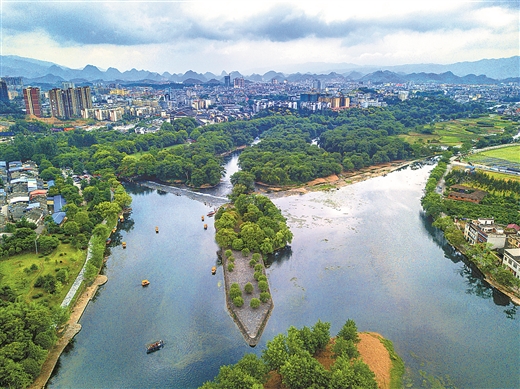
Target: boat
145 282
156 230
205 226
150 348
121 218
202 218
108 241
124 245
213 270
211 213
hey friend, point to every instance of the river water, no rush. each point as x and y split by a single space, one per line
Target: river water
364 252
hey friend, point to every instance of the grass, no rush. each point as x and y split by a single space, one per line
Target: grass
510 154
455 132
13 273
397 371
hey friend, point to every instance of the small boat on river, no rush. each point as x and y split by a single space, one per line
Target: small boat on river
156 230
213 270
124 245
145 282
154 346
210 214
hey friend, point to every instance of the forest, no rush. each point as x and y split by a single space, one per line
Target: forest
293 149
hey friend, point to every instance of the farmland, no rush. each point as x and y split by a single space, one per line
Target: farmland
456 132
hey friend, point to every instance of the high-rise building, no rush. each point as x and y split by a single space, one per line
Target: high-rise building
238 82
227 81
4 93
70 102
56 103
316 85
32 99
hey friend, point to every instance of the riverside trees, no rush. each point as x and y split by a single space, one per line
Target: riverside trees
293 357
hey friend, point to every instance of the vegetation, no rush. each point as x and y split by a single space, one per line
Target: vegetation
502 204
293 357
255 221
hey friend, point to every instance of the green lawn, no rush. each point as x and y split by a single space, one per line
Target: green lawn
511 154
13 273
455 132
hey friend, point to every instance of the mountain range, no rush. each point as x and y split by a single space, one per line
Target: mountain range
485 71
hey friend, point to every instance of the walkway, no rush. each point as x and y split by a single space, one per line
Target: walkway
70 330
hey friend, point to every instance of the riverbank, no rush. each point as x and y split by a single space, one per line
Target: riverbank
335 181
71 328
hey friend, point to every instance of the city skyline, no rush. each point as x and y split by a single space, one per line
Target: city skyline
177 36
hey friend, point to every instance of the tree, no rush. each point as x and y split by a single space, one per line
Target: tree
71 228
349 331
47 244
302 371
276 352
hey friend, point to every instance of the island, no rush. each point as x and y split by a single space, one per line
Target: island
249 224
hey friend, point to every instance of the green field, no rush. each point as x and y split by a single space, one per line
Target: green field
455 132
15 272
510 154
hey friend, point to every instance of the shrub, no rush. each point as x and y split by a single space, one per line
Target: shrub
238 301
257 257
231 266
264 297
34 267
255 303
248 288
231 259
234 291
258 267
245 252
257 274
262 277
252 263
263 286
238 244
228 253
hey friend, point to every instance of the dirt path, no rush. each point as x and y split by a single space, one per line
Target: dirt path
71 329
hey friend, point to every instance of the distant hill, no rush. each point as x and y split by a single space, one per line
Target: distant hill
485 71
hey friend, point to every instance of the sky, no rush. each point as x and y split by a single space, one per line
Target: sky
256 36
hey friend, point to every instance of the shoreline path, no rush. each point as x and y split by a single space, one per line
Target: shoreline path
72 327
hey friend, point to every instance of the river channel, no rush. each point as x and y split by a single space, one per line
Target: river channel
364 252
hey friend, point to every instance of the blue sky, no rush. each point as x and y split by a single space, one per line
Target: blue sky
256 36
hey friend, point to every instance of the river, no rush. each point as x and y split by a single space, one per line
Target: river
364 252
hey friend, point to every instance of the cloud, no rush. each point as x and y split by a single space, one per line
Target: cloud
168 35
136 23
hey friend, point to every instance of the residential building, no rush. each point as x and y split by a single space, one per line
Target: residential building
32 99
485 231
239 82
512 261
465 193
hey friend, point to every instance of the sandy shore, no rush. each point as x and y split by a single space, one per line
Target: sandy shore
335 181
70 330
